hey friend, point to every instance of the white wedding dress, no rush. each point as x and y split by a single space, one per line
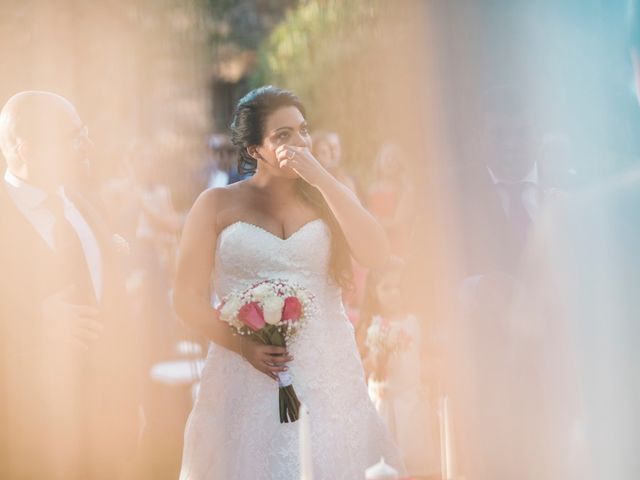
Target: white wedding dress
234 431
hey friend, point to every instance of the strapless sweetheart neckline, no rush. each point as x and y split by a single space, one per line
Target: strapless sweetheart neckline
271 234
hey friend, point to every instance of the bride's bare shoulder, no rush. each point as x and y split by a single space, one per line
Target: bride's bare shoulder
215 204
220 197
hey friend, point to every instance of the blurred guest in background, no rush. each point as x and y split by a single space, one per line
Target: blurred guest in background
391 197
141 209
391 339
328 150
70 360
222 170
120 194
500 200
158 223
500 193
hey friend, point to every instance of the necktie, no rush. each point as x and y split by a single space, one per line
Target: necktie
72 263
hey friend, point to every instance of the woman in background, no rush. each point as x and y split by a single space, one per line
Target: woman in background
393 343
391 197
292 221
328 151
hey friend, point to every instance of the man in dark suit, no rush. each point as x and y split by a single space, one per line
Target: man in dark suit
500 193
69 372
500 200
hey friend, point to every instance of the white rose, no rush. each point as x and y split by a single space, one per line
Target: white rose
230 309
262 291
272 310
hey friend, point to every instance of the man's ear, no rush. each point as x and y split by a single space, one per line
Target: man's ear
23 150
17 160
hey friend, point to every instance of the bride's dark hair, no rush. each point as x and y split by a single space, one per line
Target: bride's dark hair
247 129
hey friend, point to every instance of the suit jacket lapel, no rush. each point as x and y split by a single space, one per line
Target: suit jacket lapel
27 255
110 261
17 226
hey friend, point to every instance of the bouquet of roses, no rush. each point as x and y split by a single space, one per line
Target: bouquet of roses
273 312
383 340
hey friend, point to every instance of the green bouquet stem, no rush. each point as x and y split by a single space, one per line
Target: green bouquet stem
289 404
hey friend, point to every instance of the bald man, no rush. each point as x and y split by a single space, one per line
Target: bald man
69 373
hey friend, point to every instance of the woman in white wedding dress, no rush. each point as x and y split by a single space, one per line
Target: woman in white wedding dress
291 220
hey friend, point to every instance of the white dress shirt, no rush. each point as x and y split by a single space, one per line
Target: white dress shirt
30 202
529 193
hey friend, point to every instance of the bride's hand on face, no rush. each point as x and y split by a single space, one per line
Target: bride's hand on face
267 359
301 161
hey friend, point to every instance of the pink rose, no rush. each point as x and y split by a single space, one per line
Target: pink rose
292 309
251 315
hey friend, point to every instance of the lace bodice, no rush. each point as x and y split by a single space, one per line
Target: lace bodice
246 254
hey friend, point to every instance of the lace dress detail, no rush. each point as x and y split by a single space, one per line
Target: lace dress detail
234 431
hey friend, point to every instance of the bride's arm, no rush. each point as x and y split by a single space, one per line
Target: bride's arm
366 238
191 294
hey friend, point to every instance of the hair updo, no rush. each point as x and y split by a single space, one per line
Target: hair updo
247 129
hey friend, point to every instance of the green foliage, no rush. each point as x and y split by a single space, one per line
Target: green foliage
320 52
336 56
243 23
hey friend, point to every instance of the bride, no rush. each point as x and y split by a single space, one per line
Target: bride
291 220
